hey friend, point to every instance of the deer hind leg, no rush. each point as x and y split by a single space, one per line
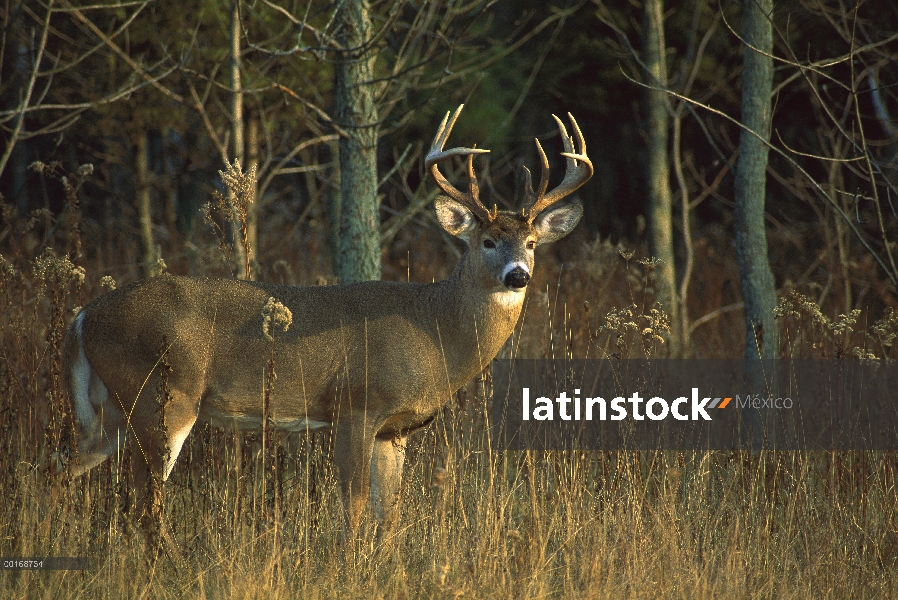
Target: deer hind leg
156 449
387 461
353 446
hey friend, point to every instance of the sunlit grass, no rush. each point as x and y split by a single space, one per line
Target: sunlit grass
475 523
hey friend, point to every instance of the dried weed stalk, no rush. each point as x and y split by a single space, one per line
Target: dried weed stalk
58 276
232 209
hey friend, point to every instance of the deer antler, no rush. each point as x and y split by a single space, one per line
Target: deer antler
471 199
579 170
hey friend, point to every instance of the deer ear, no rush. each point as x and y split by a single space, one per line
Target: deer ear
556 223
455 217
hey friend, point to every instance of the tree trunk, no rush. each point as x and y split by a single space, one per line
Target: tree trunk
758 290
22 68
358 256
660 212
252 209
150 257
751 238
332 197
240 251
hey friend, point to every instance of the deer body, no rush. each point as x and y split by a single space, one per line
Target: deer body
211 325
372 361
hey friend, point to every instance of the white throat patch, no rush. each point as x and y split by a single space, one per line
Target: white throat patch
508 298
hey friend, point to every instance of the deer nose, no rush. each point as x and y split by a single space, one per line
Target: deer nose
517 278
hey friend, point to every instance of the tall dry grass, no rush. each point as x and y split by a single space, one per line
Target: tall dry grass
249 522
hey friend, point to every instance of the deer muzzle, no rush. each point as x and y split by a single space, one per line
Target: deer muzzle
516 278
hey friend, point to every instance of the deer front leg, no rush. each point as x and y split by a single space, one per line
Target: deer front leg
353 445
386 480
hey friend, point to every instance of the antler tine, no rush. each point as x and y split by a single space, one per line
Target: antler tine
532 197
578 171
436 155
529 194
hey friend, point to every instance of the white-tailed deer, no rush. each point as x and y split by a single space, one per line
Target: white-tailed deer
371 361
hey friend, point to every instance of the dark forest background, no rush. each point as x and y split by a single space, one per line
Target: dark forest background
144 93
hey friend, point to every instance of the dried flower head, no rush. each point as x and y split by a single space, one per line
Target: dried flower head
863 354
275 317
620 320
242 187
108 282
845 323
649 263
794 306
54 271
887 328
7 271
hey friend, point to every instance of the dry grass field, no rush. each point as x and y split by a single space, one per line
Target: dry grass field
475 523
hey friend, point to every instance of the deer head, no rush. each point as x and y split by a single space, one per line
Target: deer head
501 242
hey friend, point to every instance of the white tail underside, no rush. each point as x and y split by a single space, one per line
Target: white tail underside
89 395
81 380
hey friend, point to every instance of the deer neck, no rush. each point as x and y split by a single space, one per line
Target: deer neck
475 317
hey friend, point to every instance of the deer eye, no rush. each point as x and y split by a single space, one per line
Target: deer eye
489 244
531 244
